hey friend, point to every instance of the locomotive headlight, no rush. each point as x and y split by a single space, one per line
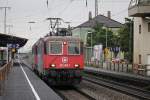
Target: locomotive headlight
53 65
76 65
65 43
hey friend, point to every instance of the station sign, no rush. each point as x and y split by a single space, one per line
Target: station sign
10 46
115 49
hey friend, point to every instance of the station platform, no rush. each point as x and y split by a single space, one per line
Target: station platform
122 75
23 84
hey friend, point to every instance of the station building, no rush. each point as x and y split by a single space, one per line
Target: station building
82 30
140 11
7 52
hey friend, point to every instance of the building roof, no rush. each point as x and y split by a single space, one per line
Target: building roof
9 39
108 22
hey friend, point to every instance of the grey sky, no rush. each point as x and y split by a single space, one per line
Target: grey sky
75 11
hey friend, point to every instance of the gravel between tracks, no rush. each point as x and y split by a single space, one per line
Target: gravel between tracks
102 93
72 95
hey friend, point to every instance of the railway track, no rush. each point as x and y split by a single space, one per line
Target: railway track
135 81
72 93
75 93
124 88
68 93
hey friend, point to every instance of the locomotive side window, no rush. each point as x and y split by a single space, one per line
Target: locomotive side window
73 48
34 51
81 47
55 48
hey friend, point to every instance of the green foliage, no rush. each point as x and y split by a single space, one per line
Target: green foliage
98 36
124 38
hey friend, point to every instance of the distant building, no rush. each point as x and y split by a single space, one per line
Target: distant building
83 29
140 10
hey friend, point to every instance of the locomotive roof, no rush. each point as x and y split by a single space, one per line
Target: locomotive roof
57 38
60 38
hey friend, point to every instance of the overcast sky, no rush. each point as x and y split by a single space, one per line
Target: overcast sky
74 11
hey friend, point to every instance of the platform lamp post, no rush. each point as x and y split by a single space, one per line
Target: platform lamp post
106 43
90 32
9 26
106 37
31 22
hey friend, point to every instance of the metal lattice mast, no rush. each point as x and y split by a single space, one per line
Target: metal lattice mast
96 8
5 8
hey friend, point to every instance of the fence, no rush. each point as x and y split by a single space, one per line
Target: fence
88 53
120 67
4 70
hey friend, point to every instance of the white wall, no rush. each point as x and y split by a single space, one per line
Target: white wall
81 33
141 41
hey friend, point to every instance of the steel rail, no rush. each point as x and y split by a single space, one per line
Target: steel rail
143 80
75 90
130 90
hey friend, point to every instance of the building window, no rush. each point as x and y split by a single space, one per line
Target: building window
148 27
139 29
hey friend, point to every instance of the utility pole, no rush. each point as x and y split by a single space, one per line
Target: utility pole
96 8
9 26
106 37
5 8
130 40
31 22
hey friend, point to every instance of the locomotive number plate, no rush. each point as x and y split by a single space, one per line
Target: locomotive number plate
64 65
64 60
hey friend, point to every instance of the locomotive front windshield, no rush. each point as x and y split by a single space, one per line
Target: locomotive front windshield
58 48
74 48
55 48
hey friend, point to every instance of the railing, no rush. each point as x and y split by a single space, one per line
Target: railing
4 70
139 3
144 2
120 67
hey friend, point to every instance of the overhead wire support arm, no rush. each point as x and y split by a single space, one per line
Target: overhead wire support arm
96 8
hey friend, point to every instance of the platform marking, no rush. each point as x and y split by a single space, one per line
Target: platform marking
31 86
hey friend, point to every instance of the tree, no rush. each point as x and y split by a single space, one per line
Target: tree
126 38
98 36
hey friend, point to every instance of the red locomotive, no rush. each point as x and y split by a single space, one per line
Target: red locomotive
59 59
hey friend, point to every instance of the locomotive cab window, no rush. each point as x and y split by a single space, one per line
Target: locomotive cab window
73 48
55 48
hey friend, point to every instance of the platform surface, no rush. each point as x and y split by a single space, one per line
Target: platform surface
23 84
118 74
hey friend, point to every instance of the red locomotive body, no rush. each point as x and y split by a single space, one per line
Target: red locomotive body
59 60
